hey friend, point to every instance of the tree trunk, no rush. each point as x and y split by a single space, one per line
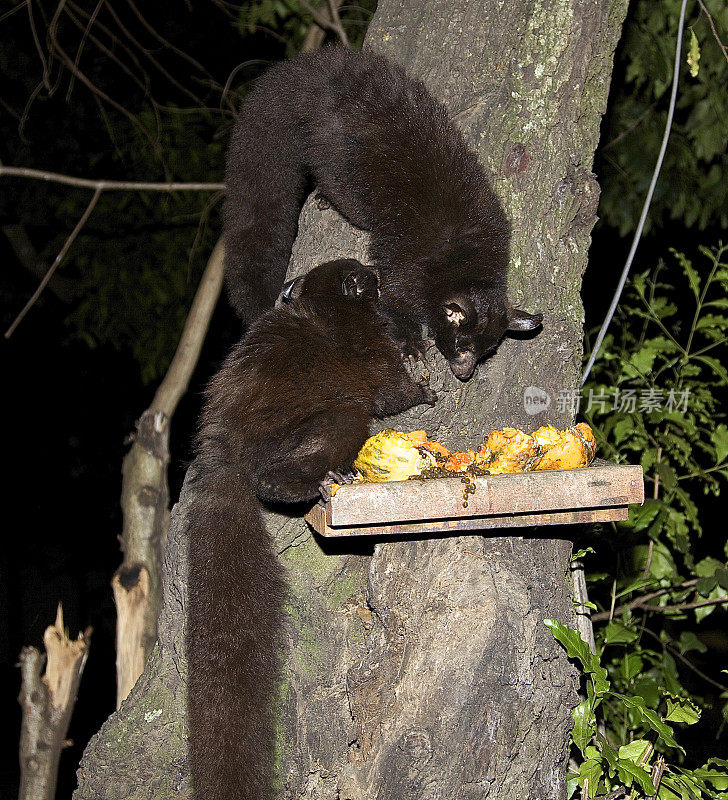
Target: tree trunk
422 669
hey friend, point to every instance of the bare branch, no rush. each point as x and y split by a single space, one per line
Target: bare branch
327 22
712 28
685 661
12 11
107 185
202 224
336 19
116 41
642 601
719 601
38 47
47 701
169 44
142 83
65 58
151 58
185 358
54 265
86 32
26 254
26 111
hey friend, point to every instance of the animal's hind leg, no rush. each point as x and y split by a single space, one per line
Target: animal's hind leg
297 475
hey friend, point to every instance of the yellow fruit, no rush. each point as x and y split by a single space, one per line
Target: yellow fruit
567 449
508 450
395 456
392 456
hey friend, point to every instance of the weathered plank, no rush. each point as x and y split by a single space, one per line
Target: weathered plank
558 497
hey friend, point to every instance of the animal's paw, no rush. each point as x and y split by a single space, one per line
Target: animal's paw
408 336
340 476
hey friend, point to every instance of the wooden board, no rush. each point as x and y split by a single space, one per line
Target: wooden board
599 493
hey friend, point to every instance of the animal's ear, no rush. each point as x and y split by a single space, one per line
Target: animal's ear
362 282
292 290
521 321
459 310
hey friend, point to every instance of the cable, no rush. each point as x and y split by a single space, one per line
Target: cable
648 200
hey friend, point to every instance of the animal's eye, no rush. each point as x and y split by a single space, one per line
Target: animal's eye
462 349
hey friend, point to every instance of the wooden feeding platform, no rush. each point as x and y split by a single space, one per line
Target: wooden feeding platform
602 492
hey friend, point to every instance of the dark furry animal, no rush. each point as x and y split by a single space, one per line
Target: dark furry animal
385 154
289 409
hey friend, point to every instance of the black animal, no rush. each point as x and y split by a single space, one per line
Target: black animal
288 410
385 154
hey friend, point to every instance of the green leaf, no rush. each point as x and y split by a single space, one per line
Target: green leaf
627 772
650 718
706 569
689 271
718 777
617 633
632 666
634 750
693 57
590 770
576 647
641 517
714 365
662 564
719 438
585 725
680 709
689 641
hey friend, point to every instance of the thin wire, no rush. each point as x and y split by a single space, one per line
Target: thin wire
648 200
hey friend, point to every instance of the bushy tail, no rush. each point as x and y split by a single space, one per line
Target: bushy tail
234 638
266 187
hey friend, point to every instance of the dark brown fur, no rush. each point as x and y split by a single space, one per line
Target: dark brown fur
291 403
385 154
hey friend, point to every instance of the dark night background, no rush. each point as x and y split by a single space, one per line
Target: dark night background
74 383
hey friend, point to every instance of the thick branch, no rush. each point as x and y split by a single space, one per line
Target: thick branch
145 493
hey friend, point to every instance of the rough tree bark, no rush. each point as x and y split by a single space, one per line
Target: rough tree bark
422 669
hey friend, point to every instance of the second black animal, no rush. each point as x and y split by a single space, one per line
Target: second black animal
385 154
